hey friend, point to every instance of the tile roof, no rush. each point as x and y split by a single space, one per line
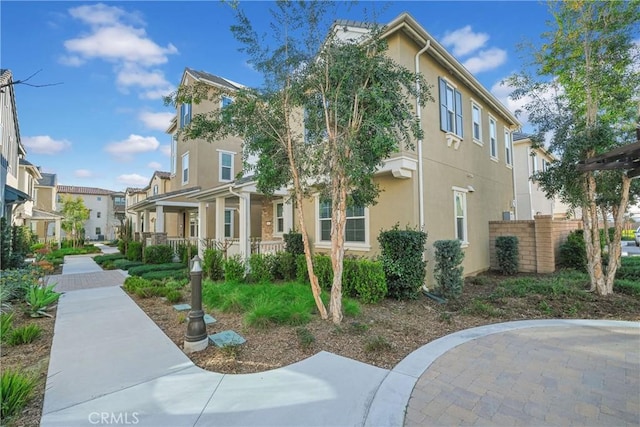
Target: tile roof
163 174
519 135
48 180
72 189
202 75
135 190
25 162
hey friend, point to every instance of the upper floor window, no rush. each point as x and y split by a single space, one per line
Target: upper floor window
477 122
508 148
279 218
534 162
99 198
185 168
226 165
98 214
155 189
450 108
545 165
355 229
185 114
493 139
174 154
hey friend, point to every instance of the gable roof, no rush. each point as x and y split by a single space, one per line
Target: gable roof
205 77
47 180
72 189
161 174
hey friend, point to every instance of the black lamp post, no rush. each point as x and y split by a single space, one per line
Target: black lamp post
196 338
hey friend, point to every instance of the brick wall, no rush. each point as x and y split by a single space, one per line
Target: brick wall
539 241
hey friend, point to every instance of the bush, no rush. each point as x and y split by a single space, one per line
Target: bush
36 247
134 251
629 287
186 252
573 252
125 264
448 271
364 279
15 283
39 298
284 266
293 243
158 254
133 282
24 334
15 391
234 269
122 246
260 267
324 271
507 254
101 259
146 268
402 261
302 274
6 324
174 296
213 264
166 274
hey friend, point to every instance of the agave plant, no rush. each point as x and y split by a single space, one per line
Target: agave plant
39 298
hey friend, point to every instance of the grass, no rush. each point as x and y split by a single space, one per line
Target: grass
377 344
265 305
566 283
24 334
480 308
305 338
15 391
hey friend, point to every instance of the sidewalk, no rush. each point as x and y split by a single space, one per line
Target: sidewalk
110 364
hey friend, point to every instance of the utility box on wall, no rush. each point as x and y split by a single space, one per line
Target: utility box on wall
506 216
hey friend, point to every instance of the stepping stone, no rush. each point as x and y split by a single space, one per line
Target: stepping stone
209 320
182 307
225 338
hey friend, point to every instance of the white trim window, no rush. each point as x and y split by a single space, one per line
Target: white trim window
460 215
155 189
450 108
228 223
356 228
225 101
534 162
174 154
545 165
185 168
476 116
226 159
508 148
278 218
185 115
493 138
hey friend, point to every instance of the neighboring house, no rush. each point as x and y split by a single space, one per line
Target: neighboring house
133 195
102 223
11 150
28 176
530 198
46 220
458 179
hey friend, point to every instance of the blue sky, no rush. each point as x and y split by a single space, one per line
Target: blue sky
104 126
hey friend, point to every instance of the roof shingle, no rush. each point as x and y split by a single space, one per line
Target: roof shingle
72 189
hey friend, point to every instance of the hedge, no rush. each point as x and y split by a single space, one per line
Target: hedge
402 261
158 254
448 268
134 251
507 254
146 268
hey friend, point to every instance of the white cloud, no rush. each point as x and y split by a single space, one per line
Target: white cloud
44 144
83 173
464 40
71 60
101 14
135 144
486 60
156 121
166 150
154 165
158 93
133 180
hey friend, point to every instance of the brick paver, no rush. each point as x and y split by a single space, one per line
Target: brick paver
74 282
534 377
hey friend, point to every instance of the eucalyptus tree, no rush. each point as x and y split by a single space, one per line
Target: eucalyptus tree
584 95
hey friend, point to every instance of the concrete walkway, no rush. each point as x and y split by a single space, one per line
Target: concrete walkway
110 364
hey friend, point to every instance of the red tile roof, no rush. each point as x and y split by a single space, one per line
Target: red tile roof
72 189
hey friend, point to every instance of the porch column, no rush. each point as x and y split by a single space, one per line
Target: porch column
57 229
146 220
138 223
245 224
219 219
202 228
159 219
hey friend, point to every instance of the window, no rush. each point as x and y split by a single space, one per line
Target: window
450 108
508 148
493 140
226 101
545 165
98 214
477 123
355 230
226 166
228 223
155 189
174 155
98 230
193 224
460 210
279 218
534 162
99 198
185 168
185 115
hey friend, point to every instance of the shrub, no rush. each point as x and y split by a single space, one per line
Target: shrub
213 264
166 274
293 243
448 271
6 324
125 264
507 254
174 296
402 261
302 274
364 279
323 270
186 252
134 251
101 259
158 254
15 283
176 283
630 287
573 252
234 269
139 270
133 282
122 246
39 298
260 267
146 292
284 266
305 338
15 391
24 334
36 247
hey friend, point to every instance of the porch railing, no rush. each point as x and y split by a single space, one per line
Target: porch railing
230 246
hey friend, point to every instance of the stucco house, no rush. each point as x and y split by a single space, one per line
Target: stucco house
45 219
459 177
103 222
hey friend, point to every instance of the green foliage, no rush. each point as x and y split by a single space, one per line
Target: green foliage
6 324
125 264
507 254
146 292
176 283
158 254
365 280
134 251
15 283
305 338
627 286
101 259
234 269
166 274
323 270
186 252
563 284
174 296
260 267
448 268
213 264
284 266
302 274
75 214
377 344
573 252
133 282
24 334
5 244
122 246
402 261
146 268
477 307
39 298
15 391
36 247
293 243
629 269
81 250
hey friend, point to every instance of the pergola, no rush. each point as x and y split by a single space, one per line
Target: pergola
626 158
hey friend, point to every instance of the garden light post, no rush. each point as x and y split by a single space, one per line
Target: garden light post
196 338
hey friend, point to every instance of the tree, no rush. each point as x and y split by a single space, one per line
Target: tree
75 214
328 115
586 99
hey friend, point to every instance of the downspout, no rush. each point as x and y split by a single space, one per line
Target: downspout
419 116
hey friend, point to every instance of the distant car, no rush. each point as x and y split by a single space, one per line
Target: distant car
638 237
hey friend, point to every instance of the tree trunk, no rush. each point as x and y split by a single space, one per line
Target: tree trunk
338 225
614 248
592 235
